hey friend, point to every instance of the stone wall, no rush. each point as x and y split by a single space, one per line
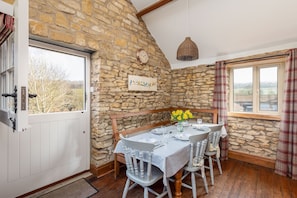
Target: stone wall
252 136
193 87
111 30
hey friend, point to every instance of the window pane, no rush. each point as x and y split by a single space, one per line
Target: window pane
6 74
268 95
57 79
243 90
3 90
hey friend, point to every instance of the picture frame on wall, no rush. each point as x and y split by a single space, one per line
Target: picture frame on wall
141 83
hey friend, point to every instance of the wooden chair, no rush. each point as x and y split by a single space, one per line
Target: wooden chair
140 171
196 162
213 150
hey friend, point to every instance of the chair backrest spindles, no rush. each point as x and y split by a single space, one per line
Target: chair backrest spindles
198 146
138 158
214 135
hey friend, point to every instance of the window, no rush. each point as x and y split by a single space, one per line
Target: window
255 87
7 74
57 77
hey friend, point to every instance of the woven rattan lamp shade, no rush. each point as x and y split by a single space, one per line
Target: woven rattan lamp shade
187 50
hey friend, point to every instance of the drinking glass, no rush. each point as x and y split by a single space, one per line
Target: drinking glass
165 134
199 121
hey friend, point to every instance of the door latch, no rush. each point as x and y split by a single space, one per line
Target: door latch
14 96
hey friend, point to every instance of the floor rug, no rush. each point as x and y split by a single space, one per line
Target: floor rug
78 189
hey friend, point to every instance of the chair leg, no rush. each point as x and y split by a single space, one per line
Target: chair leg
116 167
219 165
145 195
193 180
168 189
126 188
204 179
211 170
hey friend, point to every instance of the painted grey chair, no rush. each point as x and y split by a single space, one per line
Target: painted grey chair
213 150
196 162
140 170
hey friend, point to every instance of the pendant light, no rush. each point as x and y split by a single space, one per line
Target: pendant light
187 50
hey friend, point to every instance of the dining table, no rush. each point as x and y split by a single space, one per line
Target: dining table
172 148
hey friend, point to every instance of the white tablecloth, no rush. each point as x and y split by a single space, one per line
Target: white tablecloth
223 134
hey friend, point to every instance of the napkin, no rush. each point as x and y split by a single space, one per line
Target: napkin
217 148
197 162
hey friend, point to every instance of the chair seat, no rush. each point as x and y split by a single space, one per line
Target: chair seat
156 175
192 168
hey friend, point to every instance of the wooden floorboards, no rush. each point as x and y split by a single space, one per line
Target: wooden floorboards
239 180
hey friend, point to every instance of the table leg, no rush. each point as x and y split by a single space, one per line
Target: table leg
177 183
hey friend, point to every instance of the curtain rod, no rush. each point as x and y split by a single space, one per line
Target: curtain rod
253 59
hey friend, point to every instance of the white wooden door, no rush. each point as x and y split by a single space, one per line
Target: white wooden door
44 148
55 147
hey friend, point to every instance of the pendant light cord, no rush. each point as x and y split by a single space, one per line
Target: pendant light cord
188 18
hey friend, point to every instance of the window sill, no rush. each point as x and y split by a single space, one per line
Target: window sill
254 116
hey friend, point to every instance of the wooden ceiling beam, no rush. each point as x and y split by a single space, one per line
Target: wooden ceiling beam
152 7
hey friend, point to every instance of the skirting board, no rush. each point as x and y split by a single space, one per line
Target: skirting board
102 170
252 159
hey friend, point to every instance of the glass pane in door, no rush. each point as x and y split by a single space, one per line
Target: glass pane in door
58 80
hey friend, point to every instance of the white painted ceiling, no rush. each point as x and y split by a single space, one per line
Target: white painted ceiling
222 29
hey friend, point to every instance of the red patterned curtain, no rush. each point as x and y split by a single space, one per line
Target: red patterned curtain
6 26
286 158
220 102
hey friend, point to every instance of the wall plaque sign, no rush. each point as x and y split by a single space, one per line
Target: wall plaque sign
140 83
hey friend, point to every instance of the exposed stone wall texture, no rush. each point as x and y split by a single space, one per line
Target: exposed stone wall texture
137 121
113 32
255 137
193 87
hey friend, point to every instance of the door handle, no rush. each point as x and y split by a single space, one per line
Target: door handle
9 95
14 96
32 95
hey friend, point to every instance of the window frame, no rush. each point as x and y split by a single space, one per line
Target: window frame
257 65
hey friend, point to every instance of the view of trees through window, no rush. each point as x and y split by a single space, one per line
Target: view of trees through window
255 91
57 79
